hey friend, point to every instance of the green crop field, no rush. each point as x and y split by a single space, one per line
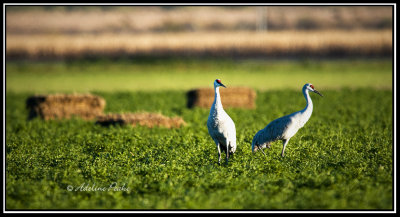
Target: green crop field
341 159
145 74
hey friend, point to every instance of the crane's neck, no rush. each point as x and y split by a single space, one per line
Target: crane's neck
307 111
217 105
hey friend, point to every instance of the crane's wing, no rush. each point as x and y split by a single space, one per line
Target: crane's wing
231 134
275 130
222 129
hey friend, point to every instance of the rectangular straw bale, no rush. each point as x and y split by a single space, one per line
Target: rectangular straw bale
235 97
142 119
64 106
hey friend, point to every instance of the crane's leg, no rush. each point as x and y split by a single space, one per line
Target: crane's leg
285 142
260 147
219 153
227 152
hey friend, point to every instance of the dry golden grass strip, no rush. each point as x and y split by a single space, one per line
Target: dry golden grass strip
142 119
280 43
64 106
237 97
147 19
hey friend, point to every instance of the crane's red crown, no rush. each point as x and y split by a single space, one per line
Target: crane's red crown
218 81
312 86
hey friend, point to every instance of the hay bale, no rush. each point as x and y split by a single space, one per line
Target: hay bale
237 97
64 106
142 119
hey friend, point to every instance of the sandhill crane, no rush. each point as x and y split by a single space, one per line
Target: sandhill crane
220 126
285 127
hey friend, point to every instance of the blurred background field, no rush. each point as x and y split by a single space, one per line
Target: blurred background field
145 59
76 32
85 48
140 19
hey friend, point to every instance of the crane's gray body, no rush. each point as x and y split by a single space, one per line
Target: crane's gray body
284 127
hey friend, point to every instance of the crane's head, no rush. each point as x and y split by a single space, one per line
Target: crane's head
311 88
217 83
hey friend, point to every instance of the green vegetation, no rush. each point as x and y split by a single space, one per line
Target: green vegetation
342 158
182 74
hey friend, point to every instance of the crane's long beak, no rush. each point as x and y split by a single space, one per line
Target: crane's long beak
315 91
222 85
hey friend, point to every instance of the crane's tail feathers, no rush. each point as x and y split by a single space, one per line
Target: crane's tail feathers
233 147
254 143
